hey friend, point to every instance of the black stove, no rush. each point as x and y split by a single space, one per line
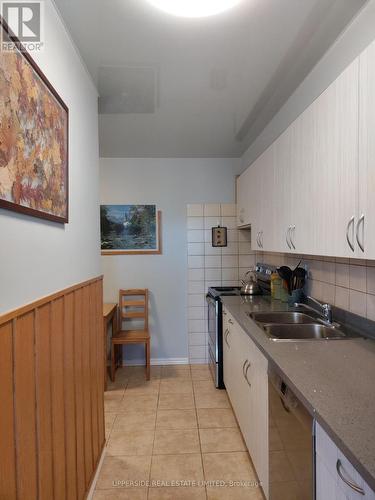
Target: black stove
215 318
219 291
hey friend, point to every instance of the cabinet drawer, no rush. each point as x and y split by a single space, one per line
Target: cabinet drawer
332 458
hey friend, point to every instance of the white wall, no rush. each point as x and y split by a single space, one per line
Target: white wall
39 257
359 34
171 184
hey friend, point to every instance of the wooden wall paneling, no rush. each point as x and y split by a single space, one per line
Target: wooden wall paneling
44 404
100 352
78 369
25 404
51 393
89 465
7 438
70 409
58 410
93 369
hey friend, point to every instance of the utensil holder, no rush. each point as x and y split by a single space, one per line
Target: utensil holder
296 296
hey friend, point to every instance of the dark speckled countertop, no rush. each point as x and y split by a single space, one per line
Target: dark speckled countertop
334 378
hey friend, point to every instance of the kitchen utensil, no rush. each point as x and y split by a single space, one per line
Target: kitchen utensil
250 285
286 274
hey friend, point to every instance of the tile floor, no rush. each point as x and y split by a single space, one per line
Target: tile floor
175 428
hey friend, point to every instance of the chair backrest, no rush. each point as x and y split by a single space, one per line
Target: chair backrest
133 304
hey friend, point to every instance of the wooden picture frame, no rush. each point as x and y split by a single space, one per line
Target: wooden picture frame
157 251
31 188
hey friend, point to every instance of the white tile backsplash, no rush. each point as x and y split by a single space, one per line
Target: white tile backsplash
212 210
229 210
195 261
346 283
196 274
195 236
195 248
195 210
212 261
357 278
195 223
210 266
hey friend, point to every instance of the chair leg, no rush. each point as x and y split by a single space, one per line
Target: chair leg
147 346
113 362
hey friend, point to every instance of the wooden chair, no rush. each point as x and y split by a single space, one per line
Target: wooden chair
133 304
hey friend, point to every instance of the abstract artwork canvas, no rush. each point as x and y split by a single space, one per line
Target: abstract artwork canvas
33 138
130 229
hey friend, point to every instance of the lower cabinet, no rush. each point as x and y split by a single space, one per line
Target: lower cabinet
246 381
336 478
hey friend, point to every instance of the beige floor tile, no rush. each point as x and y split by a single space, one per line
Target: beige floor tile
176 402
116 471
139 386
220 440
138 402
176 419
206 386
216 418
211 400
177 493
139 372
132 442
202 374
112 400
109 419
169 441
235 466
113 494
176 468
176 386
118 384
235 493
199 367
135 420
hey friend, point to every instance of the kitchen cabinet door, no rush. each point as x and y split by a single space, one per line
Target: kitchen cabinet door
332 182
243 200
228 352
366 214
281 193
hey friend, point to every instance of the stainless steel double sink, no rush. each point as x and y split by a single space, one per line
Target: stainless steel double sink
297 326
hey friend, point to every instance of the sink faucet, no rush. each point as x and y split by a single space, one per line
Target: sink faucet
325 308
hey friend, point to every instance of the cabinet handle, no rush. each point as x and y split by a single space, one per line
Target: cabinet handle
226 333
292 231
243 366
287 235
230 321
361 221
247 368
261 239
351 222
258 240
351 485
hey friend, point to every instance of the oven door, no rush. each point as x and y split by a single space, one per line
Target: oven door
214 317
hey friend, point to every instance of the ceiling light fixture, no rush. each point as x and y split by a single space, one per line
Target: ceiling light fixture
194 8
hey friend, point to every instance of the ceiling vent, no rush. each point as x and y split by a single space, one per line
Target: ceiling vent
127 89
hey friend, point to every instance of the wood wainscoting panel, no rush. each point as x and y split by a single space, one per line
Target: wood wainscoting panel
51 393
7 434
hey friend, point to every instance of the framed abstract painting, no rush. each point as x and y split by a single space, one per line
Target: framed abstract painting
130 229
33 138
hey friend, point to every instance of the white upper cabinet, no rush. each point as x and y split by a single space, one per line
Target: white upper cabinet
330 181
365 223
304 188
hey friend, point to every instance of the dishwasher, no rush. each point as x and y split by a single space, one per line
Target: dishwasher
291 444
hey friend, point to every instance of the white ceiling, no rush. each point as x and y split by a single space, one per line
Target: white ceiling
173 87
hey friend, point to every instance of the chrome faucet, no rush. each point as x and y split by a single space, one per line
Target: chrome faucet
325 308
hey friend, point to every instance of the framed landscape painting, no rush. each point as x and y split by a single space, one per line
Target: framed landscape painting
130 229
33 138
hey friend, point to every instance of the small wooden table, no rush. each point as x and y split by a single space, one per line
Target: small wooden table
109 316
